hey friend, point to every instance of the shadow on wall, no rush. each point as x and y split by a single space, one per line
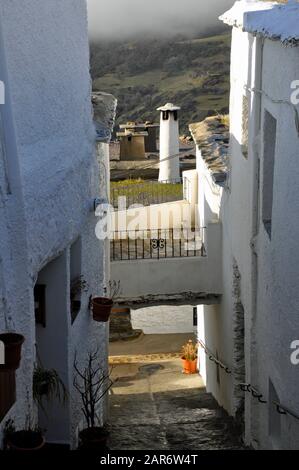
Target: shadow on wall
221 327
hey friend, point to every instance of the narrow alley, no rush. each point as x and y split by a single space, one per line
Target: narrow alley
153 405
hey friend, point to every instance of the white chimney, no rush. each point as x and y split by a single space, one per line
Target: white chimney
169 143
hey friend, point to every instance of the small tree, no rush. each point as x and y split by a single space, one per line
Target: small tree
92 384
78 285
114 289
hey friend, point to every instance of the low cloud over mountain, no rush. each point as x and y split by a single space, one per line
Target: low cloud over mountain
123 19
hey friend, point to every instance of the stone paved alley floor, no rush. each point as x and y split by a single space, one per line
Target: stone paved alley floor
153 406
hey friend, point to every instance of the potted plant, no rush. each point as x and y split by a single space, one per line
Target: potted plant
78 285
12 350
92 384
102 306
29 438
48 385
189 357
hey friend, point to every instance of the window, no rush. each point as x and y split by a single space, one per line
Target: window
40 304
245 124
129 139
77 282
270 125
175 115
165 115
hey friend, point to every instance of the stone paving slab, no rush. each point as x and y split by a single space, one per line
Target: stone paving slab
150 345
180 415
140 407
138 438
198 437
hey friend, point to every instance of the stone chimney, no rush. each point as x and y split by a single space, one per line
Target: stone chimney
169 144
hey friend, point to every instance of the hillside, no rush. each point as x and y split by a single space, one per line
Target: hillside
144 74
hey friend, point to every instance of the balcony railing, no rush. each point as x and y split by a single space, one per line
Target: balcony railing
157 244
146 193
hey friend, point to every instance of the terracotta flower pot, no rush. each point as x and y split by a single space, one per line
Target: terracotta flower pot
101 308
13 348
189 367
25 441
93 438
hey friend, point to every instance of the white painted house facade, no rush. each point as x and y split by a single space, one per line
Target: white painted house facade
49 179
253 327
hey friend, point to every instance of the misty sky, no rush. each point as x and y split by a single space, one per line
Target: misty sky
114 19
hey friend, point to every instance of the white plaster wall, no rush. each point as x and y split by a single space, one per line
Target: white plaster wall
176 214
158 216
209 193
163 320
232 205
211 327
215 321
269 329
14 290
277 321
53 120
50 98
271 318
173 275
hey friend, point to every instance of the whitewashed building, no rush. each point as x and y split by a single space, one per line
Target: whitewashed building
257 201
49 179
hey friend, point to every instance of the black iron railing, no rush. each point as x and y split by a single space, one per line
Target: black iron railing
157 244
145 193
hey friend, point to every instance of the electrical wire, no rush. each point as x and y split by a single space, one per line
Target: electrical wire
277 101
148 166
247 387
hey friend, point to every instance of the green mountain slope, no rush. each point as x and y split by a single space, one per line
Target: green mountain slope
193 73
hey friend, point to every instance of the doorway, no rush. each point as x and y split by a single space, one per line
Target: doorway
52 327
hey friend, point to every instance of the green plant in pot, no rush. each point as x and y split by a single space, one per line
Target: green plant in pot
189 357
92 384
28 438
102 306
78 286
47 385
